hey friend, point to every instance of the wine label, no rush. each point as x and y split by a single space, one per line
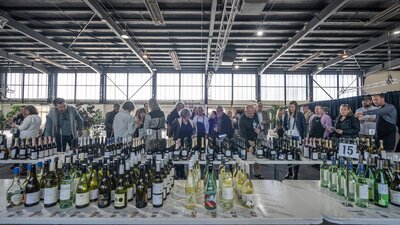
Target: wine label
248 200
16 198
184 153
383 189
290 157
65 192
157 199
334 179
227 193
45 153
363 192
33 156
315 155
306 152
112 195
352 186
209 201
2 155
32 198
395 197
41 154
129 193
119 200
50 195
158 188
82 198
325 175
93 194
383 194
104 199
229 153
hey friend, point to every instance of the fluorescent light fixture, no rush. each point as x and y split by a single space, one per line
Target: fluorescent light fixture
39 58
154 11
396 32
344 55
175 60
305 61
244 59
260 33
125 34
145 55
236 67
388 13
320 66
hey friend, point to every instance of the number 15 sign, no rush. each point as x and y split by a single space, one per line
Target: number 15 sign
348 150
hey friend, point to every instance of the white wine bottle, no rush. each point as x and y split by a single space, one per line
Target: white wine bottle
158 187
120 200
51 187
247 190
227 189
190 191
82 198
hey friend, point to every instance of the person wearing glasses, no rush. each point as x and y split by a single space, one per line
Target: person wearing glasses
64 123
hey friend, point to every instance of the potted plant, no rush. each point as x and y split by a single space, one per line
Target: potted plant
91 116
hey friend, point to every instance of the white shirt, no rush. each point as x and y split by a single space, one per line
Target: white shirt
366 125
123 125
293 127
30 127
260 119
202 119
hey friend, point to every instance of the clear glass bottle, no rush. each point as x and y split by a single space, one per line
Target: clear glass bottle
226 201
190 192
51 187
15 192
247 189
210 190
381 187
158 189
82 198
333 176
66 187
395 186
324 173
32 188
361 195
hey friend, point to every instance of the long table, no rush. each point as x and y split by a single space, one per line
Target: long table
275 203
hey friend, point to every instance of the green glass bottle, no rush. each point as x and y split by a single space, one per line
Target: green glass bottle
341 188
129 182
158 187
395 186
381 187
141 189
190 189
82 191
120 200
15 192
247 189
51 187
351 181
104 199
210 190
370 176
94 183
66 187
43 179
333 176
32 188
361 194
324 173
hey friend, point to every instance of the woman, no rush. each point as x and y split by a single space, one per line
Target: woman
153 122
347 125
139 121
194 113
212 124
279 121
123 124
294 125
30 127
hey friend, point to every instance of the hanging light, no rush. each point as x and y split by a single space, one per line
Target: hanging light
145 55
260 33
236 67
244 59
345 54
320 66
125 34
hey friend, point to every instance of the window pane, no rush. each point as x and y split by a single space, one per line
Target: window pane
272 87
168 86
221 87
192 86
328 83
87 86
347 86
136 80
116 86
36 86
244 86
66 85
296 87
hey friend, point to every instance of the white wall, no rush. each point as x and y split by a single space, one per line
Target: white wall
379 77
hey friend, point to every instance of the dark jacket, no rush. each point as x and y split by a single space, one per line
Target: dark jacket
225 126
176 128
246 128
109 120
52 126
350 127
172 116
300 121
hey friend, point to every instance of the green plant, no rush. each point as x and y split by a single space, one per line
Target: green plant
90 115
2 121
15 109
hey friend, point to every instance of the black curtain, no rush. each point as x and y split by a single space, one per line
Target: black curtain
355 103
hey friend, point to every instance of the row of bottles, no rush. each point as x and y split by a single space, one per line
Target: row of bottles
278 149
376 182
32 148
79 180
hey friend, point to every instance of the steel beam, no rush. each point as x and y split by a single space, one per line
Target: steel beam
211 31
314 23
48 42
358 50
393 64
37 66
106 18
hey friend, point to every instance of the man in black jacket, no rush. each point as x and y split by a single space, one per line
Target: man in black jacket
110 119
172 116
224 123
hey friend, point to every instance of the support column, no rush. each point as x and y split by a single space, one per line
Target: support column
103 87
23 85
361 83
337 86
154 85
233 77
284 87
180 84
52 86
258 87
205 89
76 83
3 79
310 88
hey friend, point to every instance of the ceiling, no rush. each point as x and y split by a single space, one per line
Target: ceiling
186 31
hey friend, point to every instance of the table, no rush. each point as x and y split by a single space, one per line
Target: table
275 203
332 209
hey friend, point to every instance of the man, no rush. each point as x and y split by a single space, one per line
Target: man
64 123
174 114
123 124
319 124
224 123
249 131
386 119
263 118
307 113
200 121
367 122
110 119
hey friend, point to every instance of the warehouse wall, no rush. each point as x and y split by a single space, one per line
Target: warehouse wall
379 77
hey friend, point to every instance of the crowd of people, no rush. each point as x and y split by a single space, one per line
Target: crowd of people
374 117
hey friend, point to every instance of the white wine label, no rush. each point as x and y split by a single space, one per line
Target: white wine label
306 152
290 157
343 185
334 179
16 198
248 200
325 175
45 153
157 199
119 200
184 152
2 155
352 186
32 198
129 193
383 189
33 155
93 194
65 192
395 197
227 193
228 153
50 195
81 199
41 154
315 155
158 188
363 192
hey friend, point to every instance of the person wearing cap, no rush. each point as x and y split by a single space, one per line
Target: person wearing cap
110 119
367 122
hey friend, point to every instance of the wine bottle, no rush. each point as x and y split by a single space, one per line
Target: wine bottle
66 187
51 187
381 187
164 176
158 187
370 176
15 150
15 191
333 176
104 199
351 180
210 190
227 190
32 188
94 183
395 186
23 150
34 151
120 200
82 197
324 173
190 193
113 180
361 194
341 188
141 189
129 182
247 189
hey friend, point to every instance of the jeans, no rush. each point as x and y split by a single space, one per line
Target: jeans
63 141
